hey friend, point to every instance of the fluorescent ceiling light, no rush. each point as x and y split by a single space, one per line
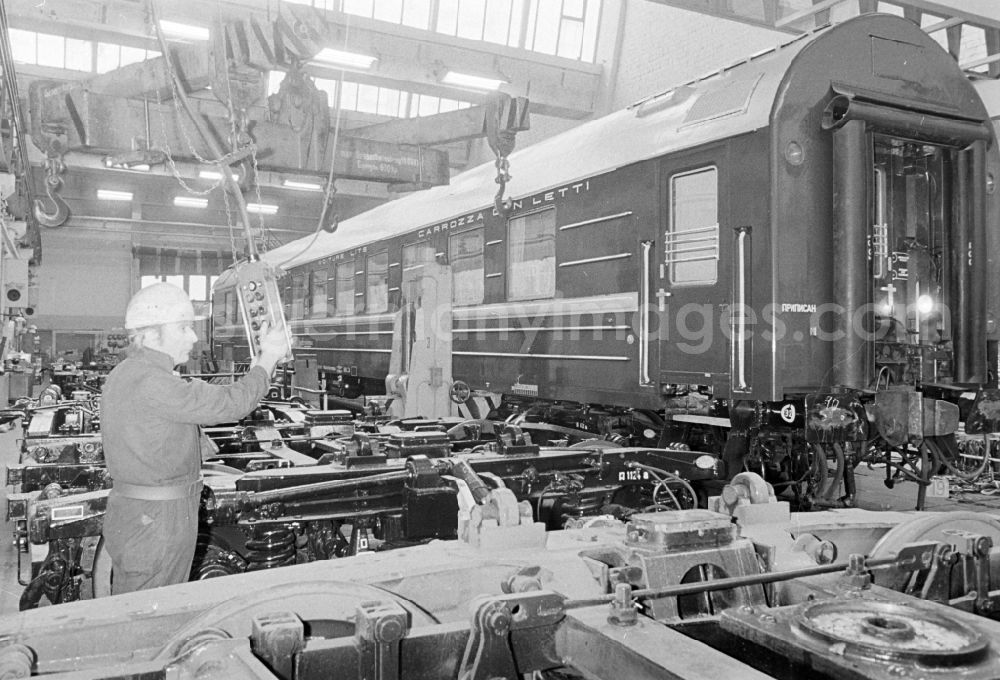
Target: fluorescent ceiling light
332 57
210 174
262 208
190 202
475 82
111 195
304 186
174 29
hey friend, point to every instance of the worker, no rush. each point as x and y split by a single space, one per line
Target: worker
150 423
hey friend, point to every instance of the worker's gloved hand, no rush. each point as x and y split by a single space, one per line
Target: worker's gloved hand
274 341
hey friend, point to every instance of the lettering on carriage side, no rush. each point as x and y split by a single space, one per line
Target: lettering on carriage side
348 254
463 221
798 307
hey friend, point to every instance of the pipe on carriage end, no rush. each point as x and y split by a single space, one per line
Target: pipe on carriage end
900 122
850 240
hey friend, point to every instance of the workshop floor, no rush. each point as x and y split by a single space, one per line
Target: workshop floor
872 495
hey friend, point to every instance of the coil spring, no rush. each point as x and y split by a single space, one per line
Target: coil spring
270 548
582 504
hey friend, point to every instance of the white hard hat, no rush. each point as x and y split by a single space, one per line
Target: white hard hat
158 304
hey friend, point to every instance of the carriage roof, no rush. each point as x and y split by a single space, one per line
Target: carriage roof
728 102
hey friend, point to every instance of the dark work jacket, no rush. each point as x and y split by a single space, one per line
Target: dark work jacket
150 417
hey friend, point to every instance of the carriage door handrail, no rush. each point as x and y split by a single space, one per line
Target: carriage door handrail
644 310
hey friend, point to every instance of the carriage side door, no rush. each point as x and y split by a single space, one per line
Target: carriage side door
691 283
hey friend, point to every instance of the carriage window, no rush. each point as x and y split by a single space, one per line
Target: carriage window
377 283
531 261
465 252
692 239
317 291
298 296
416 254
344 301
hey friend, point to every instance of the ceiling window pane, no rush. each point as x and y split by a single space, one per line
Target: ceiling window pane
23 45
428 105
274 79
417 13
51 50
198 287
590 31
349 96
471 16
389 10
367 99
570 39
497 21
108 57
573 8
79 55
447 105
359 7
388 102
447 22
516 17
133 55
328 86
546 31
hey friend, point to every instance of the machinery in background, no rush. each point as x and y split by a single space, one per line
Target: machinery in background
61 476
746 590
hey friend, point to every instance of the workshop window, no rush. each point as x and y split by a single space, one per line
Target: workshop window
317 291
111 56
377 283
344 289
298 296
416 254
54 51
465 254
691 249
531 256
567 28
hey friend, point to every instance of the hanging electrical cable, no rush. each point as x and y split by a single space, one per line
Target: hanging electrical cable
222 160
328 222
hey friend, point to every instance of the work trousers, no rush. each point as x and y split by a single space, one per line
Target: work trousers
151 543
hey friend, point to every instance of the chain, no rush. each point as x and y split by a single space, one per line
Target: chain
169 155
229 223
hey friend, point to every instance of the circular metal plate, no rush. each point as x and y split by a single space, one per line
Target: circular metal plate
927 527
891 631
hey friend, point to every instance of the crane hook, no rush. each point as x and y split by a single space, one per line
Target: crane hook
53 183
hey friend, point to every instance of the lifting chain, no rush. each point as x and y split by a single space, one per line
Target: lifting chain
503 205
505 116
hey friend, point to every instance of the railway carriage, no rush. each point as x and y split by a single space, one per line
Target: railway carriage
795 255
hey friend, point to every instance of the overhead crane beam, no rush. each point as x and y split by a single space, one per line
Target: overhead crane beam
408 58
